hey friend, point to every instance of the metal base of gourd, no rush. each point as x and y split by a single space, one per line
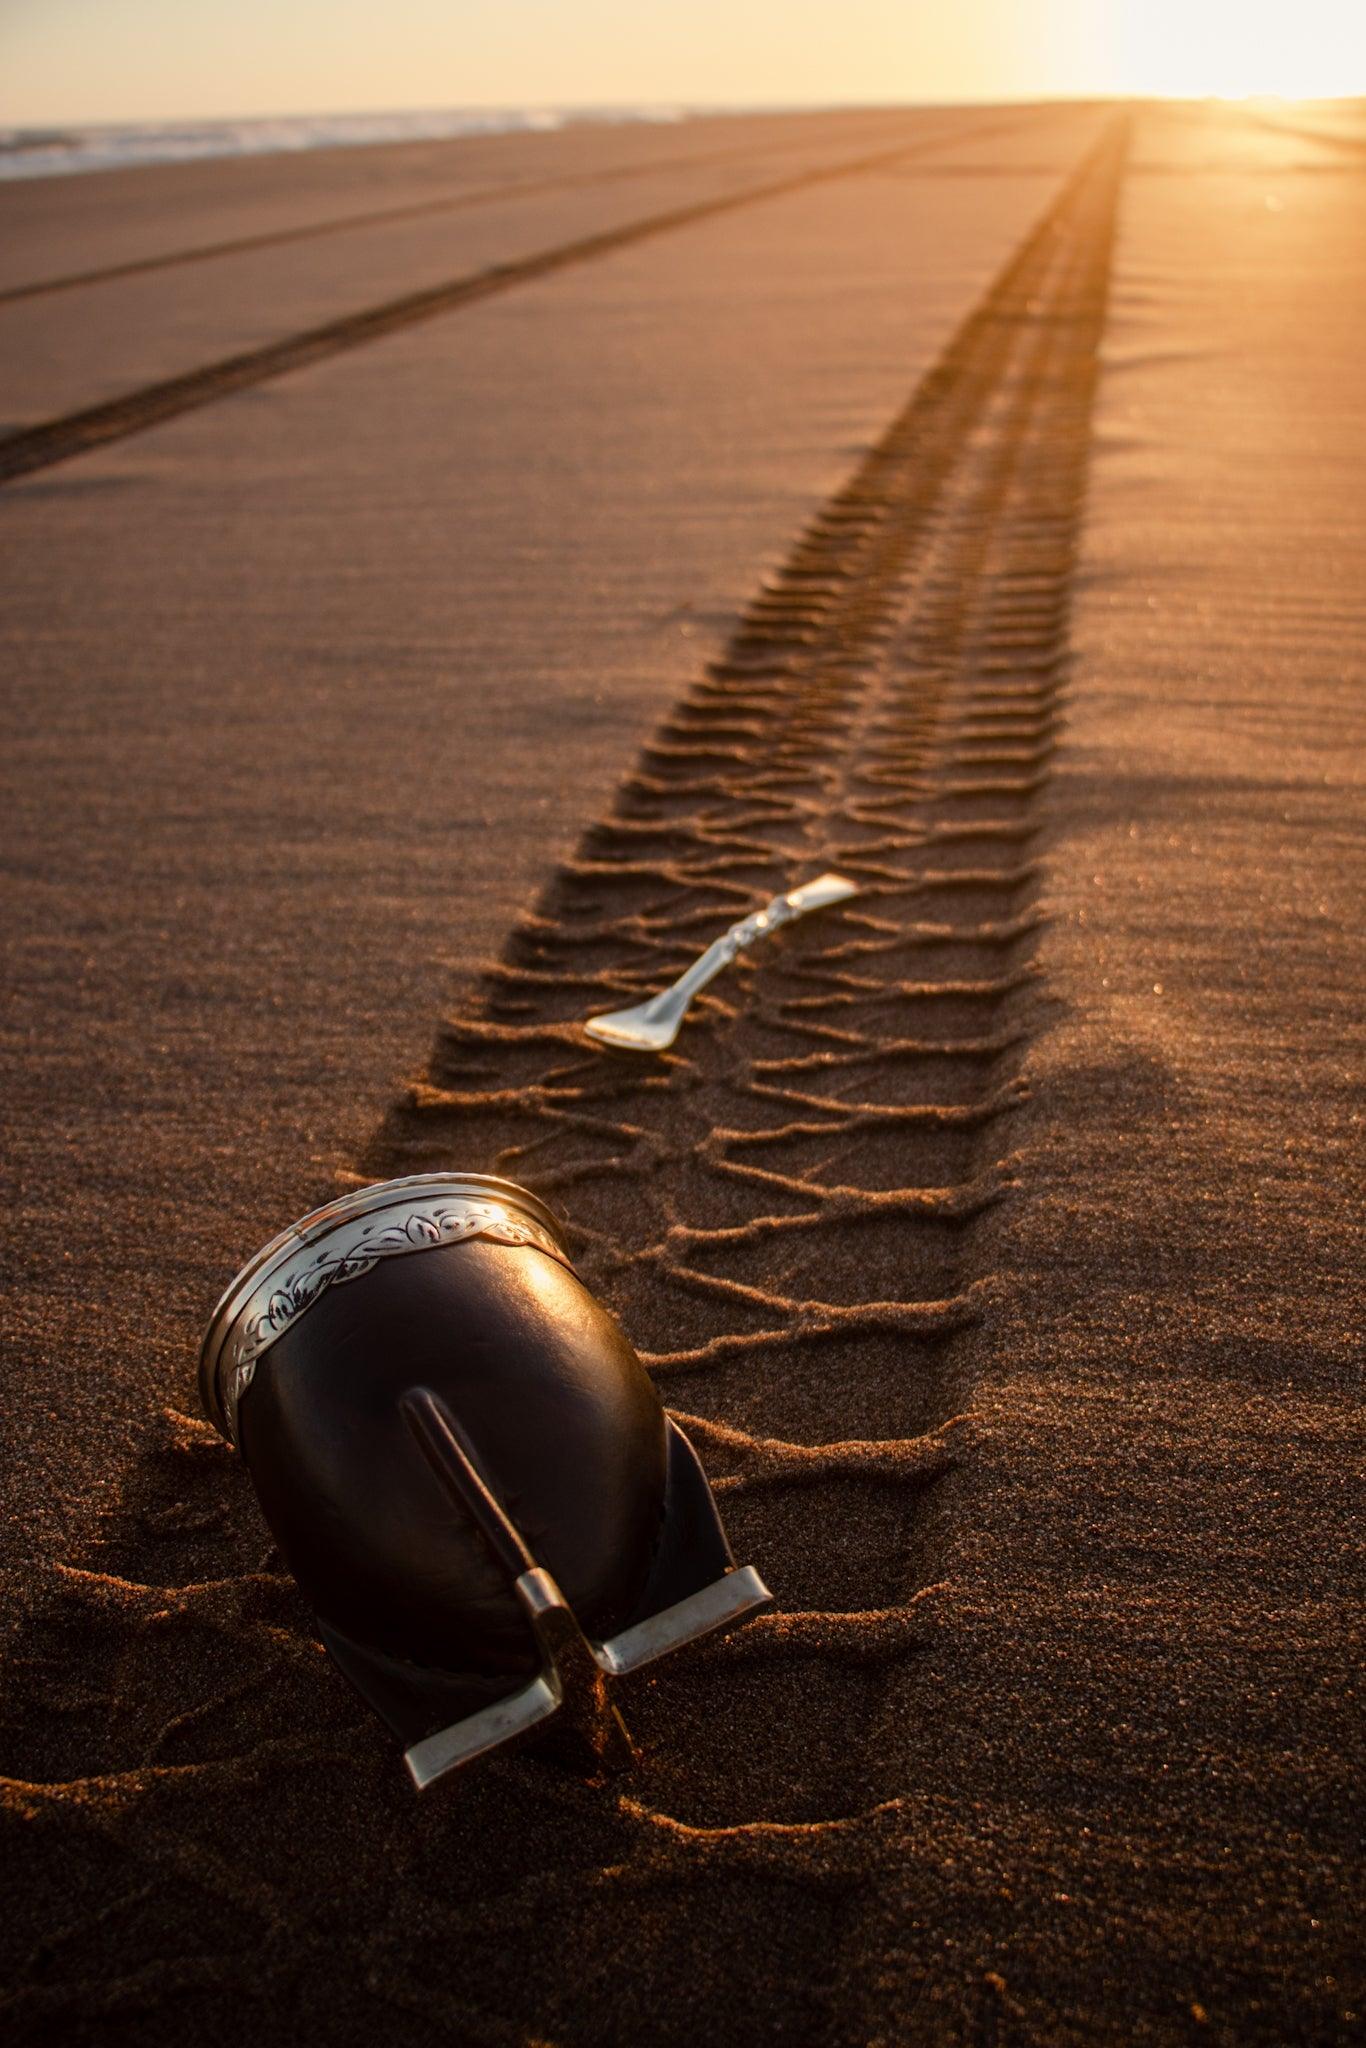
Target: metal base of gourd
569 1700
572 1681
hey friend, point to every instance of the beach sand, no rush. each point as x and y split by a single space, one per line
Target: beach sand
1000 1232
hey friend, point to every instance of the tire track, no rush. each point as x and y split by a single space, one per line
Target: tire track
795 1252
76 433
1307 131
783 1211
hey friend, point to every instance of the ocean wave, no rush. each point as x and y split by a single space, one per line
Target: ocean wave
59 152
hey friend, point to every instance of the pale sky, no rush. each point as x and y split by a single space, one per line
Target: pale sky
139 60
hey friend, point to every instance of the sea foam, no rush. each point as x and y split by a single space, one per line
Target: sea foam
56 152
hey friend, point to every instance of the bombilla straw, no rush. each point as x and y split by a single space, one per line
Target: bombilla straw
653 1026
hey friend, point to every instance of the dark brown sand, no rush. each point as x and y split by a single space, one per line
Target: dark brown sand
1000 1233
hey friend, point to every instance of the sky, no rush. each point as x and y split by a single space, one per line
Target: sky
145 60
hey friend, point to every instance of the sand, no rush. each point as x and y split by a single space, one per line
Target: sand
291 774
166 322
1026 1379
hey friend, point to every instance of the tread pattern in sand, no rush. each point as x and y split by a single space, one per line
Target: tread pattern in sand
781 1210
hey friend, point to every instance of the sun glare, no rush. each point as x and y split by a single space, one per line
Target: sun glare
1235 49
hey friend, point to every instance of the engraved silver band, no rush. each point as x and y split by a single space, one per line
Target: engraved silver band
340 1242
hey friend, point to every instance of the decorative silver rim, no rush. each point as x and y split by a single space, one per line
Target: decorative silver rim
341 1241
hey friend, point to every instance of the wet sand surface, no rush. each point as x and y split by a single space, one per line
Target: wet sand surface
53 229
999 1233
58 354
